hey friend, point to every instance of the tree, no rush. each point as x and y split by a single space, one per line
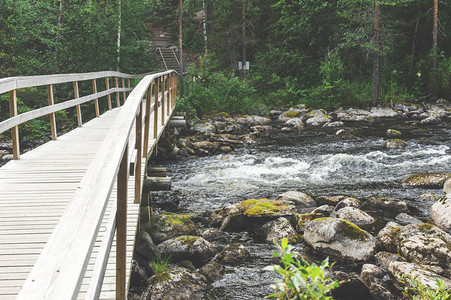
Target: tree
375 54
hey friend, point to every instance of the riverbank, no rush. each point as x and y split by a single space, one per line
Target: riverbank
352 177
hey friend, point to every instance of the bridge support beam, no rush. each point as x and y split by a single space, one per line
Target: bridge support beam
15 129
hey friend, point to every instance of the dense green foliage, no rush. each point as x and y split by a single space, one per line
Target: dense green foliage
302 51
321 52
300 280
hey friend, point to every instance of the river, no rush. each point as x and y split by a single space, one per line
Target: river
316 162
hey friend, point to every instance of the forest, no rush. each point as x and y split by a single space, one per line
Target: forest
325 54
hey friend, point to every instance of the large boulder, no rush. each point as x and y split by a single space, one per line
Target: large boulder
212 271
193 248
168 225
300 220
317 118
426 180
388 203
340 238
423 243
353 215
441 212
428 278
176 283
349 202
279 229
297 198
239 216
383 112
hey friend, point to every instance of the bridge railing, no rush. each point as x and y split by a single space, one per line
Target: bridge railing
60 268
12 84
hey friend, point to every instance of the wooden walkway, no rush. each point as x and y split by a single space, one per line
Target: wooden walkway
34 193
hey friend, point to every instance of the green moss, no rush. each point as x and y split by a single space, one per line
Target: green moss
175 219
369 119
353 231
188 240
291 114
223 114
425 227
255 207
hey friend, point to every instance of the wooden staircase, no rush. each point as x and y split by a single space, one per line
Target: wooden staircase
169 58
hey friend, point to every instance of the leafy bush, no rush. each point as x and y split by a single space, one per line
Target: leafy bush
300 280
209 92
415 290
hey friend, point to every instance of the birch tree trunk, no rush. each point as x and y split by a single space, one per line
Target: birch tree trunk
374 92
119 25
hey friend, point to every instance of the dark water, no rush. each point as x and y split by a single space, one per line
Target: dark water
317 163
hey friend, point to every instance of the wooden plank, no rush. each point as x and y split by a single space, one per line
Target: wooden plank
96 100
78 108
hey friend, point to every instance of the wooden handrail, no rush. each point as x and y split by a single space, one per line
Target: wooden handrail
60 268
14 83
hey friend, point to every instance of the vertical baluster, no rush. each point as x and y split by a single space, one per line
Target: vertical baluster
121 227
168 109
79 119
15 129
123 85
107 85
128 83
52 115
147 120
155 111
96 100
162 100
175 88
117 93
138 145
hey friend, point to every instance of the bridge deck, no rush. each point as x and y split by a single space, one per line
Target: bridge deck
34 192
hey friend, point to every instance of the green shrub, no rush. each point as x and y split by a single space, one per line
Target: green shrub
161 270
300 280
415 290
210 92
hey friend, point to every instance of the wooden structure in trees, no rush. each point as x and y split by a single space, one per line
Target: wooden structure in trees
69 208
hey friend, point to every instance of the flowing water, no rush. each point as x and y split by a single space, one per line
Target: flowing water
316 162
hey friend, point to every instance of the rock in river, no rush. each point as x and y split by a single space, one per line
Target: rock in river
233 254
388 203
176 283
340 238
354 215
423 243
279 229
168 225
426 180
193 248
297 198
395 144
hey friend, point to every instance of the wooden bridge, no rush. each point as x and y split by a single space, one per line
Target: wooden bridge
69 208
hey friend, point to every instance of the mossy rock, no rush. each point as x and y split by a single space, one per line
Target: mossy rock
168 225
340 238
299 220
263 207
426 180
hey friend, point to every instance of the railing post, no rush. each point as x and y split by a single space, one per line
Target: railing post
123 85
117 93
52 115
162 100
138 145
147 120
155 105
96 100
107 85
79 119
121 227
175 88
128 83
169 93
15 129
